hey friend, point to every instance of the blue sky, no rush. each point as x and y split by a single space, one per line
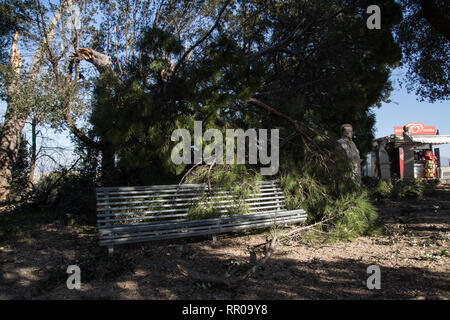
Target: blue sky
405 108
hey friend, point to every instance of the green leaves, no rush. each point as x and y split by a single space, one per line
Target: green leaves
223 177
315 62
425 52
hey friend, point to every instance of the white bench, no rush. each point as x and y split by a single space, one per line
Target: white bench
144 213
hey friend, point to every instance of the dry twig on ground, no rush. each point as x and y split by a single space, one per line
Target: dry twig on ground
269 249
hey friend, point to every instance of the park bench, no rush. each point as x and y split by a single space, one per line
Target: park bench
144 213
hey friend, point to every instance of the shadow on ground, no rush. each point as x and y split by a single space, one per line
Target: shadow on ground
33 262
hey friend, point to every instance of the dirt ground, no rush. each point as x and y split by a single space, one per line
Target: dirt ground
413 256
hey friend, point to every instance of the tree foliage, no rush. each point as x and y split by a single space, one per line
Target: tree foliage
425 50
315 62
14 15
304 67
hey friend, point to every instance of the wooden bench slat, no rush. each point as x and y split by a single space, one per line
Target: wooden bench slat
151 217
160 225
189 201
135 214
168 186
179 218
215 226
211 228
186 204
167 195
141 216
197 233
172 193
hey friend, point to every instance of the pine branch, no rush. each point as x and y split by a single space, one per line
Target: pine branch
196 44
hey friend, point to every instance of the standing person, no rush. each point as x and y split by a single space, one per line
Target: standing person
430 165
350 150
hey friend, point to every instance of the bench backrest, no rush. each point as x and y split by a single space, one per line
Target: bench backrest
172 202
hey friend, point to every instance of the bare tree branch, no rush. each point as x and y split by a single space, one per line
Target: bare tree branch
101 61
276 112
78 133
187 53
46 39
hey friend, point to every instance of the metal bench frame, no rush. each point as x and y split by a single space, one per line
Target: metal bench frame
145 213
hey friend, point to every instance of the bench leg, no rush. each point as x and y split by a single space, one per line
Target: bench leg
214 238
110 250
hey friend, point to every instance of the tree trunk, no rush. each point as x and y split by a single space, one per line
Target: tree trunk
33 152
12 127
15 120
108 165
103 64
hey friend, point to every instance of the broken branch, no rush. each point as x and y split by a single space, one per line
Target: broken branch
270 248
